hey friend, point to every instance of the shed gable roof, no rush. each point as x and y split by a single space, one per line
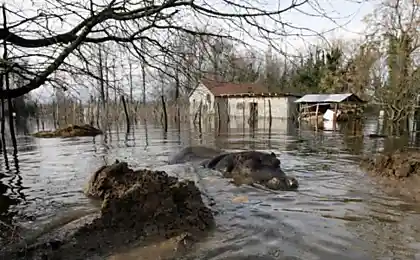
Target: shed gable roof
219 88
223 89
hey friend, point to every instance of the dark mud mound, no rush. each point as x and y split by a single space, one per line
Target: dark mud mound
397 173
70 131
136 205
397 165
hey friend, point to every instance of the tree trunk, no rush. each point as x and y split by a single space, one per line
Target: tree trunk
127 118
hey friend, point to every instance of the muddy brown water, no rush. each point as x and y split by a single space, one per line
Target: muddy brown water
338 212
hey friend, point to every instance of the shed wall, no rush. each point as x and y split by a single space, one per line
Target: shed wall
281 107
202 94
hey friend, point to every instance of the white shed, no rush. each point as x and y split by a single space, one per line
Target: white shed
242 100
202 95
243 105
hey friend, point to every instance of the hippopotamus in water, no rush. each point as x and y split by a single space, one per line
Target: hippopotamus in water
193 154
245 167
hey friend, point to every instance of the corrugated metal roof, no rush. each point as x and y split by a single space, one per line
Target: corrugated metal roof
326 98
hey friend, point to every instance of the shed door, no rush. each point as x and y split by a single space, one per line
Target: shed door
253 111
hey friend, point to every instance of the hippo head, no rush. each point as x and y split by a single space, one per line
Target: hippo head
269 159
285 183
274 178
270 176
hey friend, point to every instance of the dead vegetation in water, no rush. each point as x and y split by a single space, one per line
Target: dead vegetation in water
9 234
70 131
94 113
137 205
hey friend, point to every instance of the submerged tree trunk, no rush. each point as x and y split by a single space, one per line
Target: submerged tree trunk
165 114
7 82
143 73
177 88
114 84
106 103
10 116
102 88
3 138
131 82
127 117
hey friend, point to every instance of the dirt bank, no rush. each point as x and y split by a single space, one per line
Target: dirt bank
70 131
137 205
398 172
396 165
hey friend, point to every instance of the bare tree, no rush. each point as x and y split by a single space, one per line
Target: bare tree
126 23
395 28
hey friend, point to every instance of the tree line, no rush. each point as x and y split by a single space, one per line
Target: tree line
145 60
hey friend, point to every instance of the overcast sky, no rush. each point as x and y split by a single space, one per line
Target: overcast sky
344 22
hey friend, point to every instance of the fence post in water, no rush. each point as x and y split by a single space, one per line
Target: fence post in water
219 120
199 115
42 116
36 116
3 138
316 117
269 115
165 115
335 116
127 118
97 114
74 111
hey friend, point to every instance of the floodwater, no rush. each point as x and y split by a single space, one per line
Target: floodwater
337 213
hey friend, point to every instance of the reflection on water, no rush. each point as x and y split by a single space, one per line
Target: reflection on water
337 211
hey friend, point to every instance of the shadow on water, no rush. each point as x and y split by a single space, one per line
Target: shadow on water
337 212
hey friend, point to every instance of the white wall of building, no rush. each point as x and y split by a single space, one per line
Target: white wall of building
281 107
278 125
202 94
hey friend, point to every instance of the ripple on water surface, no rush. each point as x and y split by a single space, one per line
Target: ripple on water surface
335 214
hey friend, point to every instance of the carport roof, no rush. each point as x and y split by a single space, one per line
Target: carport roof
329 98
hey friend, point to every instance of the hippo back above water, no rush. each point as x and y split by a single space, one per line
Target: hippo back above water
194 154
246 167
227 161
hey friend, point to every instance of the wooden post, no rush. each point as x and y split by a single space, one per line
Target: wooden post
335 117
199 115
299 114
316 116
165 114
127 117
9 100
354 127
74 112
219 119
37 116
270 118
41 108
97 115
80 112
